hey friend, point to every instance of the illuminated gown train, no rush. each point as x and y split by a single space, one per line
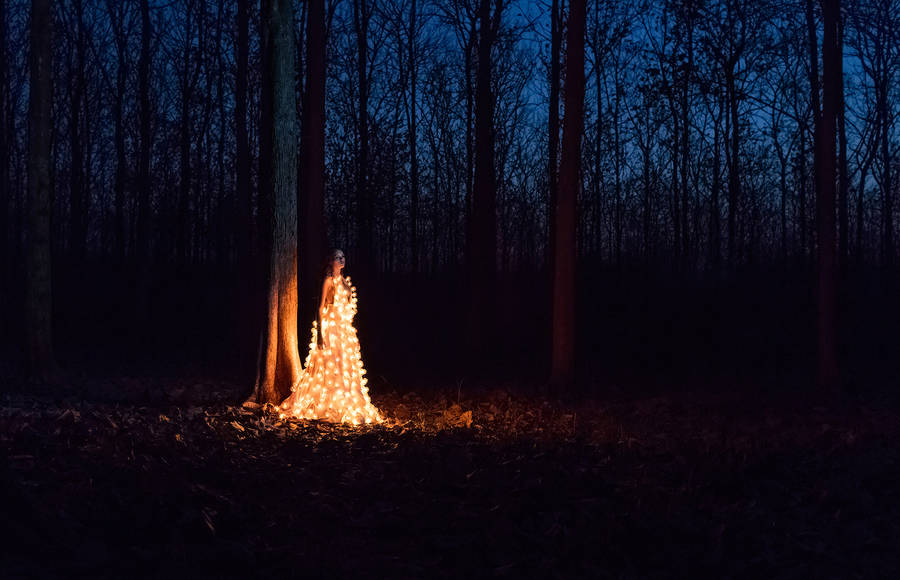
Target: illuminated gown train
332 385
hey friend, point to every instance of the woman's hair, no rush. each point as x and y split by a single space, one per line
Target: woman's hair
326 270
329 260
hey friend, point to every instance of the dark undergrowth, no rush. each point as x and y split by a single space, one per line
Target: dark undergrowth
165 478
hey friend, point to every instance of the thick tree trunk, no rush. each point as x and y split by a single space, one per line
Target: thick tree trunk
483 254
563 363
312 163
279 362
40 362
825 200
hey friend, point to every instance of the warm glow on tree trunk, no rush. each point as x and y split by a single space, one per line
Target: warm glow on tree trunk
279 364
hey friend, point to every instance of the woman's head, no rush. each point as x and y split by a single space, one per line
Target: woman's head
334 263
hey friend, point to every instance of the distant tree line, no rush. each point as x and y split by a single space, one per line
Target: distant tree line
698 140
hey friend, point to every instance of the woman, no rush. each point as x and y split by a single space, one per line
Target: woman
332 386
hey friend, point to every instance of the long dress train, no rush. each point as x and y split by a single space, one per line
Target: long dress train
332 385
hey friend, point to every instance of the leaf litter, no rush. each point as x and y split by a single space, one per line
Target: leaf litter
494 483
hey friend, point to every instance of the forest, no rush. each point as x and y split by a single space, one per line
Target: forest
588 236
697 177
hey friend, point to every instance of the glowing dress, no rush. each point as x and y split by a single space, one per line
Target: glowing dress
332 385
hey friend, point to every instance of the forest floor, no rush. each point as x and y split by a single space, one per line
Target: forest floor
163 478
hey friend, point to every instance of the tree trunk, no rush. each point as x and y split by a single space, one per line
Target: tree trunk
843 179
40 362
553 130
143 172
413 140
483 254
244 219
715 231
563 364
734 176
825 201
312 163
116 18
686 144
6 199
887 206
814 88
279 364
182 220
470 146
364 236
77 190
802 194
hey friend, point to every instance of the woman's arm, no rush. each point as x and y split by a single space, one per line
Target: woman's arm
323 310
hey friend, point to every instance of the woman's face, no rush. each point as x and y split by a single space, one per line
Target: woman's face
338 263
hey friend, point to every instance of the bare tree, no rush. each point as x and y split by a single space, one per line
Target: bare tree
825 200
5 138
40 362
279 363
362 16
483 244
143 170
553 127
563 354
312 160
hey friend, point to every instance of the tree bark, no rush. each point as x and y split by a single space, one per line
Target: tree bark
825 198
563 362
40 362
803 194
77 191
182 219
843 178
883 88
115 11
715 231
814 89
553 129
143 172
364 238
483 254
279 363
312 163
5 186
734 176
686 140
413 138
